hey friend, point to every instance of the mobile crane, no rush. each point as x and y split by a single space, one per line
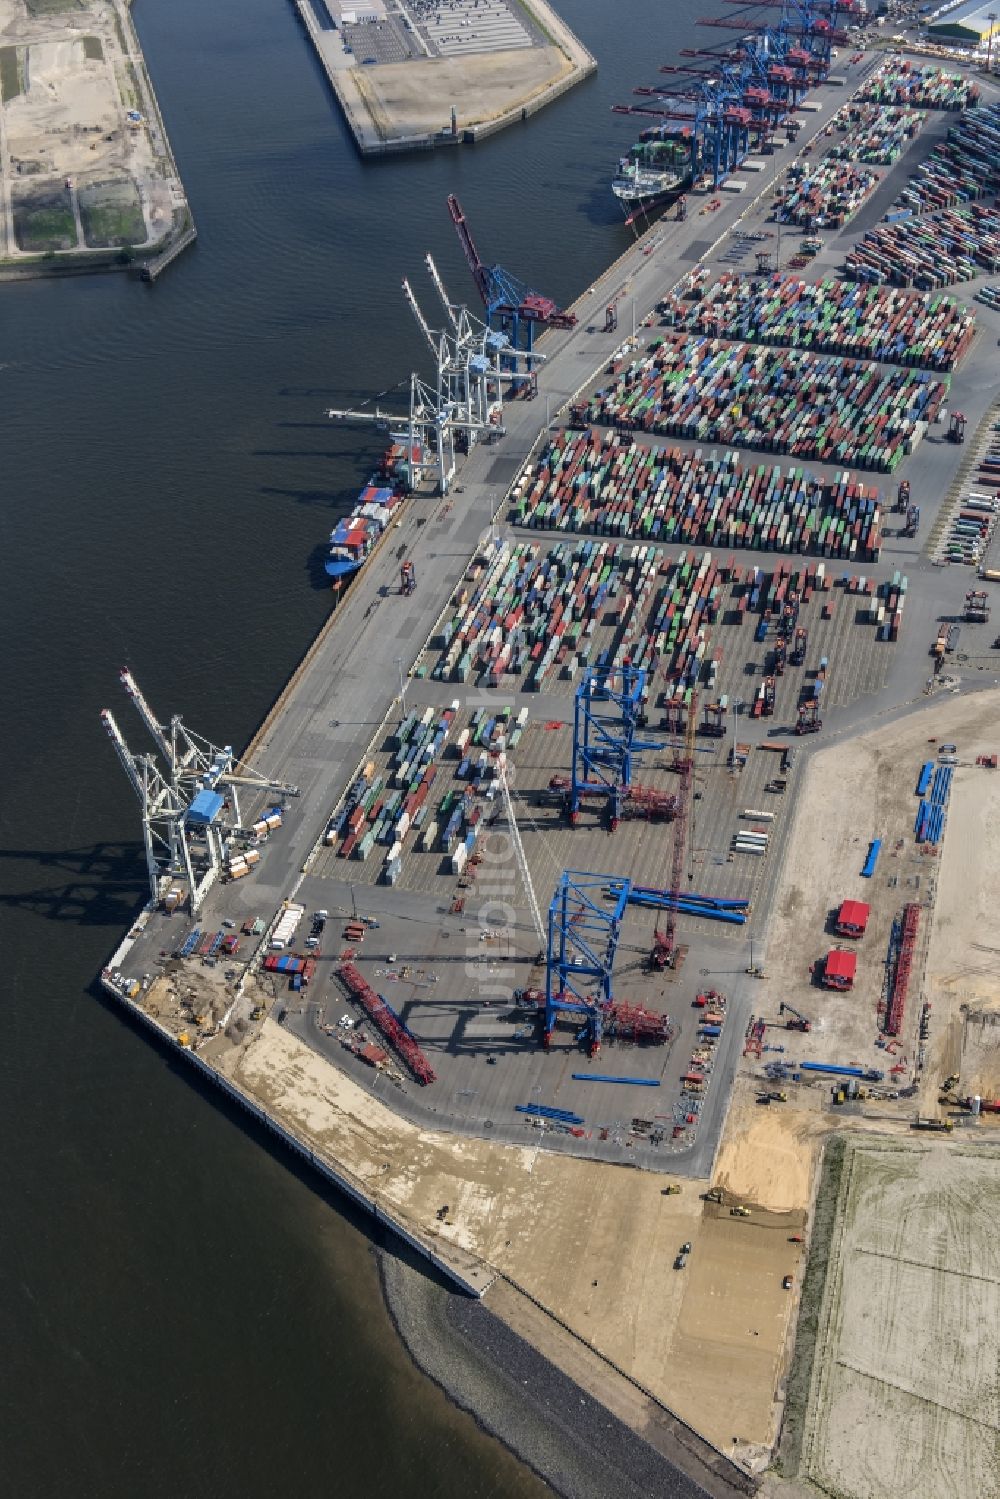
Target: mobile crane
798 1022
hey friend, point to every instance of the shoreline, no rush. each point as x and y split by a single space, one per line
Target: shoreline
147 259
550 1422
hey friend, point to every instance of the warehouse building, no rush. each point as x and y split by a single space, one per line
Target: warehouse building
971 25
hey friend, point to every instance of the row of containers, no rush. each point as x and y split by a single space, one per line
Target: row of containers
828 317
753 840
919 86
385 808
546 615
607 484
940 250
656 612
777 400
241 861
969 529
824 194
962 168
929 825
872 134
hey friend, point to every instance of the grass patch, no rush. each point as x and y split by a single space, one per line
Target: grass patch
112 214
93 50
11 76
44 222
800 1374
52 7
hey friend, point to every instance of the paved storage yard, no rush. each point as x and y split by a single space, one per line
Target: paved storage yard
711 1341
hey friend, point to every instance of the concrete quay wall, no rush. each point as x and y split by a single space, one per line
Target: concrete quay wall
473 1279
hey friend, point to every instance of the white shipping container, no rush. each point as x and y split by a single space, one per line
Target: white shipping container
430 834
458 859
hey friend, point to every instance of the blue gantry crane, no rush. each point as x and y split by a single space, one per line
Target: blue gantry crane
511 306
607 710
584 929
737 94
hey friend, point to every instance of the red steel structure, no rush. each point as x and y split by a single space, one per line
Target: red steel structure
904 965
634 1023
392 1028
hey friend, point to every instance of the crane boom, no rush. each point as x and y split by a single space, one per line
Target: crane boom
479 272
128 760
439 288
421 320
665 940
145 712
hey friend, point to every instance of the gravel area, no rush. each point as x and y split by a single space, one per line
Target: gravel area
569 1439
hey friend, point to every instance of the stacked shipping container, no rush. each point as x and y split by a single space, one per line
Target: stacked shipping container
781 401
832 317
607 484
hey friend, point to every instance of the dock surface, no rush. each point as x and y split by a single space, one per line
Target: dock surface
422 78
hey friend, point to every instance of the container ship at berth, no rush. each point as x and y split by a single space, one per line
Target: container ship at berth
652 173
728 100
353 539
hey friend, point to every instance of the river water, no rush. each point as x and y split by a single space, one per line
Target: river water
182 1315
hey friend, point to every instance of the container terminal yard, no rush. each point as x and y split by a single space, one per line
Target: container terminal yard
612 817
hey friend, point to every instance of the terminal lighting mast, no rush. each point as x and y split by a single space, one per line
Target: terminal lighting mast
190 806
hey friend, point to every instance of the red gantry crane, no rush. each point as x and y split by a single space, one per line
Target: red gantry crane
511 306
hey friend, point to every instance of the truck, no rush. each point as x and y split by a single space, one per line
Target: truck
287 922
799 646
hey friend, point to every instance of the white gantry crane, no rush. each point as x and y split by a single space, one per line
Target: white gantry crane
190 806
464 403
167 852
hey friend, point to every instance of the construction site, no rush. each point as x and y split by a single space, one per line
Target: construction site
661 841
86 168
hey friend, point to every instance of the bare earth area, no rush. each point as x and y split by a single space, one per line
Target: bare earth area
593 1243
905 1402
855 792
416 97
84 164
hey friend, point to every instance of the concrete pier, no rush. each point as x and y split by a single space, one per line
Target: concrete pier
489 1201
394 107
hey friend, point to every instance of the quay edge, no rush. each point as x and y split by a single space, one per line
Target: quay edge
465 1271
